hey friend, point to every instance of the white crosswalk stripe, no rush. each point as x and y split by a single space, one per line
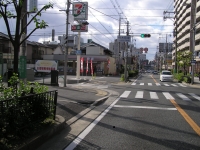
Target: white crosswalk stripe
158 84
139 94
125 94
195 96
153 95
159 95
183 97
181 85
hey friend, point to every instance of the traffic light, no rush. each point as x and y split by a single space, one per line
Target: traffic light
145 35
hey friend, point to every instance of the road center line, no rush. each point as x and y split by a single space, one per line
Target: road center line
194 126
144 107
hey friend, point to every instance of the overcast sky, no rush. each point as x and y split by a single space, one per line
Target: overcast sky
144 16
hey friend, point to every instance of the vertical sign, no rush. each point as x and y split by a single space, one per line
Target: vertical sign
1 64
22 67
80 10
108 66
91 67
87 67
82 64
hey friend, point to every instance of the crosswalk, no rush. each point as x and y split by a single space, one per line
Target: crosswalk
160 95
159 84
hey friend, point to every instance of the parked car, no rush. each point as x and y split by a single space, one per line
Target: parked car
40 74
166 76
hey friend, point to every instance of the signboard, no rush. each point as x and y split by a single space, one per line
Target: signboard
79 28
46 65
193 62
33 5
80 10
78 52
124 38
22 67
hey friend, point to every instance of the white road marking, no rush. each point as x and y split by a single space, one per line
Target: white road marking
81 136
183 97
150 84
139 94
166 84
182 85
167 95
195 96
125 94
141 83
153 95
133 83
158 84
174 85
144 107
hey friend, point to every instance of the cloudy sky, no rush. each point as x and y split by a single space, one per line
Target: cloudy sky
144 16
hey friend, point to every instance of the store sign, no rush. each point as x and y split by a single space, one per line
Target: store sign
46 65
79 28
80 10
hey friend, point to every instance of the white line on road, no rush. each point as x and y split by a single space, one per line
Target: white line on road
174 85
183 97
158 84
167 95
125 94
166 84
139 94
182 85
150 84
141 83
144 107
81 136
153 95
133 83
195 96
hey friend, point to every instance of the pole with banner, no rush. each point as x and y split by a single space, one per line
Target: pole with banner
82 65
91 67
87 67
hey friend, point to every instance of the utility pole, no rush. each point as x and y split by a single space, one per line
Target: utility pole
126 51
119 44
176 21
66 51
192 34
166 63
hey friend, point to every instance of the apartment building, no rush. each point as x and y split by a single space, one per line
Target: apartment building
184 15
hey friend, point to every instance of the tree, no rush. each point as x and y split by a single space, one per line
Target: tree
183 59
19 15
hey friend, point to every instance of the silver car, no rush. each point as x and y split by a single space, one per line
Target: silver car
166 76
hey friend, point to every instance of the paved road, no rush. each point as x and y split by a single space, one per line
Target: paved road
143 114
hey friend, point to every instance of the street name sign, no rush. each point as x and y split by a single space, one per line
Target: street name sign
124 38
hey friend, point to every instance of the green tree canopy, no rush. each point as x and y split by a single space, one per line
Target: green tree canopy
19 14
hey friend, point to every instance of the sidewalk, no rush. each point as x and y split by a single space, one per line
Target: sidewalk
68 113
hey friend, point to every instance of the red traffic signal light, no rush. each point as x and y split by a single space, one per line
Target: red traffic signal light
145 35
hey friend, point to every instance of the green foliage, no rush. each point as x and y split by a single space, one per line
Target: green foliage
22 117
133 73
187 79
179 77
15 91
122 77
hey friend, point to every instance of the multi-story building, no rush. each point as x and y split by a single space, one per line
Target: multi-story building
184 17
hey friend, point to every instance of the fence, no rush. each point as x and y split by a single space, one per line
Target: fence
18 113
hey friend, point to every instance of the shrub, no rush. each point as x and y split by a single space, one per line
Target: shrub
179 76
122 77
133 73
187 79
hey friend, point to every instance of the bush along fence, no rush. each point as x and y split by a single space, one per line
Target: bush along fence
23 108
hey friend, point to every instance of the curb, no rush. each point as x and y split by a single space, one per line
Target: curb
41 138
